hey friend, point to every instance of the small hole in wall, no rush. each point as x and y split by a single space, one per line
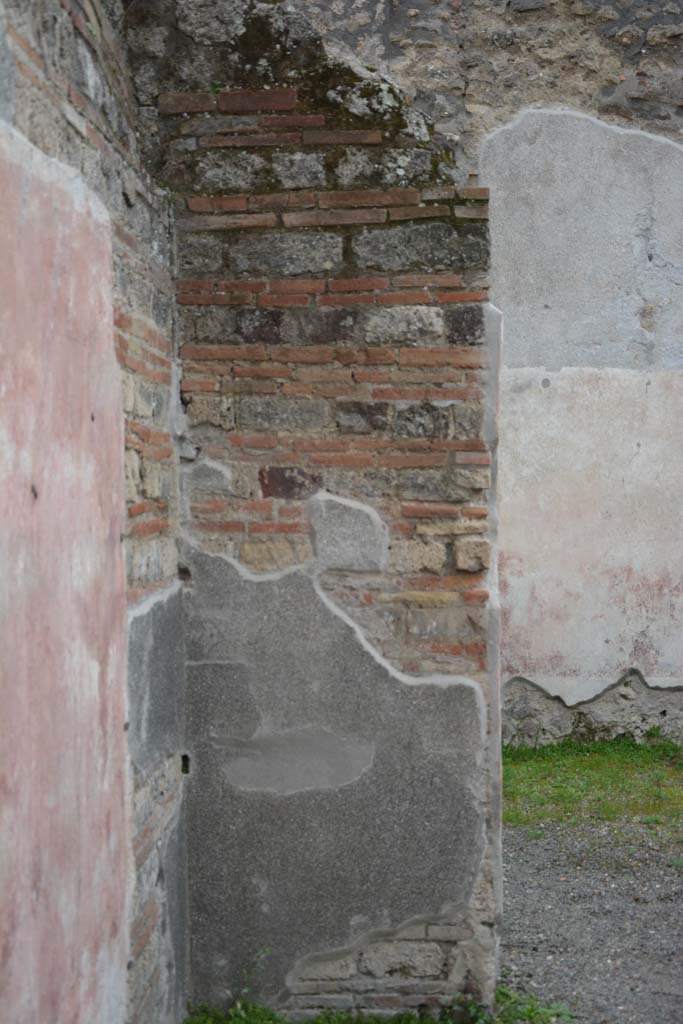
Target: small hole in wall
545 383
185 764
92 417
184 574
34 492
662 714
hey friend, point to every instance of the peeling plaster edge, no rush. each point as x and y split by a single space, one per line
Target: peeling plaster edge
366 938
561 111
52 171
309 570
323 495
147 603
628 674
319 499
446 911
436 679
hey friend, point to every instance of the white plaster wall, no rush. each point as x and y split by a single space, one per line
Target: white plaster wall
587 268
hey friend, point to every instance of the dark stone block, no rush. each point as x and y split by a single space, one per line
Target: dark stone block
319 326
259 325
362 417
422 420
464 324
287 482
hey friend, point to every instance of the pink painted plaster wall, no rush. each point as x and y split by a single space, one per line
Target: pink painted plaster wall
63 819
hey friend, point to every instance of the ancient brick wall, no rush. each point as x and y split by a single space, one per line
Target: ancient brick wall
64 84
338 446
339 372
586 273
473 64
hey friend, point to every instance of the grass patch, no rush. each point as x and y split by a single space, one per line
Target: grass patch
602 781
511 1008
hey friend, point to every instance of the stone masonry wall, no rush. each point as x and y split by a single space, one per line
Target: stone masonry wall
586 272
339 368
64 84
471 65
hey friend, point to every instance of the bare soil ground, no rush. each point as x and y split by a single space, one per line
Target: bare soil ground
594 918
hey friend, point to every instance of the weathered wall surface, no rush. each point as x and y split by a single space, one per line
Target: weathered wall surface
473 64
587 265
65 821
335 805
584 278
533 717
339 370
64 84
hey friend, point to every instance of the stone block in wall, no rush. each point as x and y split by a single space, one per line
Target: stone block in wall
281 413
427 247
284 255
347 535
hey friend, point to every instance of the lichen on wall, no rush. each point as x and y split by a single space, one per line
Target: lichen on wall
471 65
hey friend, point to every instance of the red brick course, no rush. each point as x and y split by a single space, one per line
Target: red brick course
309 402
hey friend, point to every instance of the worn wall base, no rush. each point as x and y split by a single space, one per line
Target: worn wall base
532 717
335 804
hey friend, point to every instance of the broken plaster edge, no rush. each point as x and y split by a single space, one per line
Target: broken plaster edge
607 688
578 115
146 604
54 172
310 570
320 499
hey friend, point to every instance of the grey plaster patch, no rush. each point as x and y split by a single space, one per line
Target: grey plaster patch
347 534
156 684
376 772
533 717
586 223
298 760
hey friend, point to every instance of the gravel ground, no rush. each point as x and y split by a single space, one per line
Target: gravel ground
594 919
